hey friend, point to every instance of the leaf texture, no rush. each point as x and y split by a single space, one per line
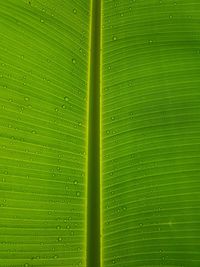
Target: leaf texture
43 95
151 133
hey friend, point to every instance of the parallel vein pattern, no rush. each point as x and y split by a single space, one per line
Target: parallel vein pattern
151 122
43 76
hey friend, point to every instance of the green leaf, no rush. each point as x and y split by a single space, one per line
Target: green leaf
151 121
99 133
44 61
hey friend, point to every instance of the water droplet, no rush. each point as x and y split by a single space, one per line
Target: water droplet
58 227
73 60
114 38
33 131
122 14
26 98
22 56
75 182
26 265
63 106
113 118
55 257
107 131
75 10
42 20
66 98
72 233
59 239
78 194
109 67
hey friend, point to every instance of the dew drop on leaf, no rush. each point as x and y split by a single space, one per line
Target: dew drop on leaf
59 239
75 10
73 60
66 98
42 20
113 261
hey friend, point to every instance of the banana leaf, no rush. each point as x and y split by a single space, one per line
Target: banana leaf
140 150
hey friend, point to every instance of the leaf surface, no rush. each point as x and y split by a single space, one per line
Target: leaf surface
44 61
151 133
